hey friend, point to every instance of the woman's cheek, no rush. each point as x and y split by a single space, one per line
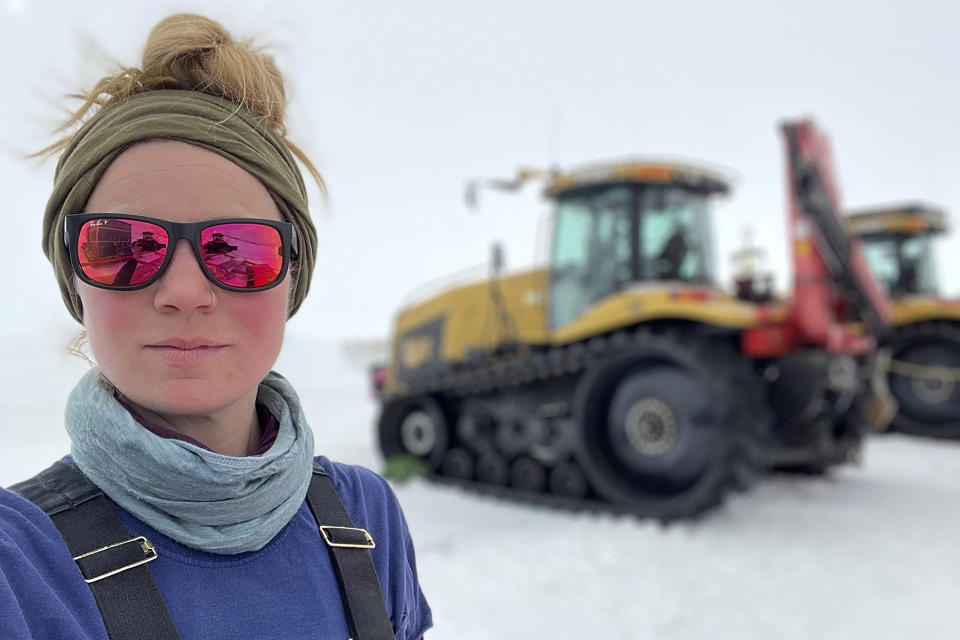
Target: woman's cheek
263 316
112 320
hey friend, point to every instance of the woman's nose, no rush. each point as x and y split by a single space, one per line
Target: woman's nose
184 286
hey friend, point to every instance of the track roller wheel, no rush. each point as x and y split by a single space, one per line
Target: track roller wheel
528 475
492 469
414 426
567 480
458 464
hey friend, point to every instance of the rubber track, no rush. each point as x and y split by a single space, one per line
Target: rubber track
521 369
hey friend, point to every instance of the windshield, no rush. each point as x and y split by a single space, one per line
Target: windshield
902 264
674 235
592 253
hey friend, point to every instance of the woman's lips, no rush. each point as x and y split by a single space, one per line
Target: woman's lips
184 355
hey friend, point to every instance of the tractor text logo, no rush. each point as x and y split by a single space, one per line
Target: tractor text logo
416 350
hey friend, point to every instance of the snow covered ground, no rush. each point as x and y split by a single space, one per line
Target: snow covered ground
871 552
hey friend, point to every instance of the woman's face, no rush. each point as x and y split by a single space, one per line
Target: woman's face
183 346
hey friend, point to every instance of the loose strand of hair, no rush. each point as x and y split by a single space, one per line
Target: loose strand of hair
314 173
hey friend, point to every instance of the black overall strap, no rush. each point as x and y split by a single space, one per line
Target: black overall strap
111 562
349 549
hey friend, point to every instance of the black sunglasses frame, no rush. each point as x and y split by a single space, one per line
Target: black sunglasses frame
189 231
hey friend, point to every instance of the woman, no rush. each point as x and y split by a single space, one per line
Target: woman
179 233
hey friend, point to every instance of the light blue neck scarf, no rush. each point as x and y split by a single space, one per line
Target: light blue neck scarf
201 499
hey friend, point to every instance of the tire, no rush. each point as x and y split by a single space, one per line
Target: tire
928 407
665 429
415 427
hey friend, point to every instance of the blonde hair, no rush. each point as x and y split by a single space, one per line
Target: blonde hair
191 52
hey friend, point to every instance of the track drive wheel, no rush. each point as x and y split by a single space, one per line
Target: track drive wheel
665 430
416 427
929 405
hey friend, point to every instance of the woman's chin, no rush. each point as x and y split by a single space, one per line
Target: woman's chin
194 397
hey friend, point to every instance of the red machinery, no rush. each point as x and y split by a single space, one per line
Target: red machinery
836 304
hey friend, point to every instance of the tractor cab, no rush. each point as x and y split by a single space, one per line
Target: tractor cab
619 225
897 242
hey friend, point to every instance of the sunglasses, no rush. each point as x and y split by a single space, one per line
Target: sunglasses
125 252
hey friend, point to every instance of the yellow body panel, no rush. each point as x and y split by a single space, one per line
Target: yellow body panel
450 325
914 309
470 319
661 301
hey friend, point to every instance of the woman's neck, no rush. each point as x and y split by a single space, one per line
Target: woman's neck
232 431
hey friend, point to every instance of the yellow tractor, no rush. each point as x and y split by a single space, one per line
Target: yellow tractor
620 376
925 342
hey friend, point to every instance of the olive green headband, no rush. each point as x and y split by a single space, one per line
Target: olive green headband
216 124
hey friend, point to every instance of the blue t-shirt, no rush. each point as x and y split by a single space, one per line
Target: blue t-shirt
288 589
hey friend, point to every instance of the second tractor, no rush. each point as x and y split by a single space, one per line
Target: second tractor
925 341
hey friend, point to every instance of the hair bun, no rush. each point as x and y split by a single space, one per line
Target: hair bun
187 51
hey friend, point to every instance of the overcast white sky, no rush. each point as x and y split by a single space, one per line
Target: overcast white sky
400 102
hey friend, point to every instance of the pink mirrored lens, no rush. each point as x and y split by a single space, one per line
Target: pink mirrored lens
241 254
120 252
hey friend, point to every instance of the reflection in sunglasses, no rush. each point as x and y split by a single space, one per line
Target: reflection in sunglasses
242 255
110 255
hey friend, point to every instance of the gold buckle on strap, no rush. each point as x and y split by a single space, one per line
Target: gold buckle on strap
369 544
149 552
